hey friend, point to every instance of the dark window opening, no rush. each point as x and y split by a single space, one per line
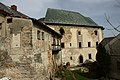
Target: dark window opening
81 59
54 42
70 44
62 45
57 41
96 33
96 43
71 58
79 33
89 55
62 31
9 20
89 44
0 25
38 35
42 35
80 45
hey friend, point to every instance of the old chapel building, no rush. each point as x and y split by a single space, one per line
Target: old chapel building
81 35
28 48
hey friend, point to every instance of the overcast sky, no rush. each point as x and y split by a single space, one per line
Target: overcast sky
96 9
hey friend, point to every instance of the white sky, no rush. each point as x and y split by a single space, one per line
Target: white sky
96 9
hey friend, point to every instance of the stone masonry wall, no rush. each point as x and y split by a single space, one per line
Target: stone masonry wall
20 59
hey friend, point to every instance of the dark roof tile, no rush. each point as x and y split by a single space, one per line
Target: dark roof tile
67 17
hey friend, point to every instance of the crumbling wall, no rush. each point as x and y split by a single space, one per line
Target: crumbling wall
19 58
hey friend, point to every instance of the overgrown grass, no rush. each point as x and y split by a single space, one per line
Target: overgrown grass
70 75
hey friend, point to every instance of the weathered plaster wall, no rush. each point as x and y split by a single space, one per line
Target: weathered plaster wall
71 40
29 58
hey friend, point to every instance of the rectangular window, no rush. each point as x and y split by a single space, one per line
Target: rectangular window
38 35
79 33
9 20
96 43
0 25
89 44
96 33
89 55
70 44
54 42
80 45
57 41
62 45
42 35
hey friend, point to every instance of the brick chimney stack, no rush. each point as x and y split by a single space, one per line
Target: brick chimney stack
14 7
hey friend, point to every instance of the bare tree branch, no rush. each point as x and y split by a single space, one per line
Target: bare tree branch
115 28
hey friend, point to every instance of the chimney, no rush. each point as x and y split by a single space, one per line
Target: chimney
14 7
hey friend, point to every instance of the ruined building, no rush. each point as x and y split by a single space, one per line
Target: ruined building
28 48
81 35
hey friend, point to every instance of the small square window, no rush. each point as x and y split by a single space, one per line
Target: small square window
9 20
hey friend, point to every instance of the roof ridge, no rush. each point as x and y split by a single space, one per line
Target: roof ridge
64 10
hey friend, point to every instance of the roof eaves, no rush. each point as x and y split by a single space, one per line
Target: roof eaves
93 26
41 23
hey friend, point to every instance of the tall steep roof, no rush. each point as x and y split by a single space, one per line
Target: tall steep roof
67 17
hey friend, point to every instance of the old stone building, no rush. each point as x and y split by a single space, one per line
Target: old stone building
28 48
112 47
81 35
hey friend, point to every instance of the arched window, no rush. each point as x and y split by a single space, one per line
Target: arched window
62 31
80 59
